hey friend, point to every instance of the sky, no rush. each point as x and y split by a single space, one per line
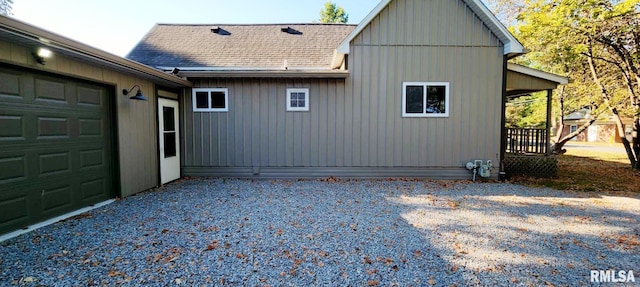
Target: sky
116 26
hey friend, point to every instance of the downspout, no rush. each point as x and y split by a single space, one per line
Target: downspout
503 119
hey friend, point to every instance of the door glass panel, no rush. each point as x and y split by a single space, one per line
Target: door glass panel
168 119
169 144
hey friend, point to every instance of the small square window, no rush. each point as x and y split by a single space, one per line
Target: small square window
297 99
425 99
210 99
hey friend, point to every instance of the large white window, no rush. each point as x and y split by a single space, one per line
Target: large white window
425 99
210 99
297 99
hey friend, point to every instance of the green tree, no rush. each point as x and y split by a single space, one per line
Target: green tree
596 43
331 13
5 7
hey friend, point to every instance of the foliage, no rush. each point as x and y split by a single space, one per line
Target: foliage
527 111
331 13
593 42
5 7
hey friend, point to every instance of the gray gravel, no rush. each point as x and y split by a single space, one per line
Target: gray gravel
204 232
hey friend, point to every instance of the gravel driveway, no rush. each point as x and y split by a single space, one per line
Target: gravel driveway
204 232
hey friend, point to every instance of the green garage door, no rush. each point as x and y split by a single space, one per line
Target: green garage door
56 146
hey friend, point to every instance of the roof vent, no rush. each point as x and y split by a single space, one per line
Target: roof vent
220 31
290 30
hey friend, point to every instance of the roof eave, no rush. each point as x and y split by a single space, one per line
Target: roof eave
50 39
236 73
537 73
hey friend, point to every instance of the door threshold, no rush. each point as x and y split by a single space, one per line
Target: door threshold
53 220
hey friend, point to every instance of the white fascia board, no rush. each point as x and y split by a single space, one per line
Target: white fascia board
537 73
511 44
344 46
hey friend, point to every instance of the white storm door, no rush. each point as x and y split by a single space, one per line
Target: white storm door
169 139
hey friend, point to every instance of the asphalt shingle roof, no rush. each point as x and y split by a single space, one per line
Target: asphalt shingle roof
240 46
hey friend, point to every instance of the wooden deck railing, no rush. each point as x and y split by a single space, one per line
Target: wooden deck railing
526 140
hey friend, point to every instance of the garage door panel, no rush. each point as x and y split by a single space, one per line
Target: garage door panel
51 91
56 199
54 163
10 84
90 97
12 168
93 189
53 128
12 128
91 127
15 210
93 158
55 146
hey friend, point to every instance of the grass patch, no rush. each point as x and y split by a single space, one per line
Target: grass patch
596 171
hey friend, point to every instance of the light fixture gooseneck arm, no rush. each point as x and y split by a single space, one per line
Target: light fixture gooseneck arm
138 95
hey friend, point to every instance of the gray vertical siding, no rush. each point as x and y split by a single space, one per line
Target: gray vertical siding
428 41
355 126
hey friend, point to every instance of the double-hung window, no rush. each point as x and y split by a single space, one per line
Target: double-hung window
425 99
210 99
297 99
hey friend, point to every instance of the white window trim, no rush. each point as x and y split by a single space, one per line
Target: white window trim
306 100
424 99
209 90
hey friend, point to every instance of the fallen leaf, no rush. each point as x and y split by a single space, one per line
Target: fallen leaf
366 260
432 281
373 283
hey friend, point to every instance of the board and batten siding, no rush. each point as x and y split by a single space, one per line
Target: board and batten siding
137 127
427 41
355 126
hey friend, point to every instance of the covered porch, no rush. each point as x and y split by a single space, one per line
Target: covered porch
527 151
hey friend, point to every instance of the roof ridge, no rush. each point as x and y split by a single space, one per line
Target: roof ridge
260 24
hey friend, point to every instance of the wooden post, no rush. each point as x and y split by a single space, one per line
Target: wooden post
548 135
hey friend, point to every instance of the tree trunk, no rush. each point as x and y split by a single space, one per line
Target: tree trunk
635 141
557 148
616 116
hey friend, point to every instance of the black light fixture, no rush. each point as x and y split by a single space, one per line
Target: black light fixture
138 95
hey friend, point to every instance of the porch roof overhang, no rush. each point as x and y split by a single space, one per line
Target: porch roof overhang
19 32
523 80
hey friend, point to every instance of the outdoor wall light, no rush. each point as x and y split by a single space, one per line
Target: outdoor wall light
41 55
138 95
